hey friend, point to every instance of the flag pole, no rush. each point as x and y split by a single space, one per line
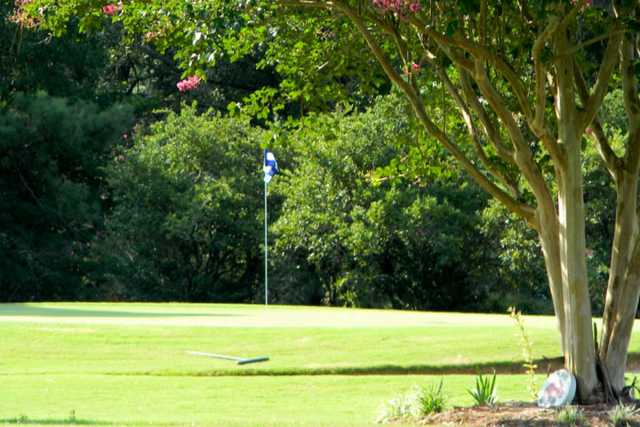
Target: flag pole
266 250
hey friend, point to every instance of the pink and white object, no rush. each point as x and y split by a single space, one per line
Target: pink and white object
190 83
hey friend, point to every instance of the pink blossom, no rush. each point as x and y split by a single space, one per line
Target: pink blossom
415 67
111 9
398 6
188 84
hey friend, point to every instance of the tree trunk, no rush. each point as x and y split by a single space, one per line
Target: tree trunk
624 278
623 287
618 346
548 232
578 335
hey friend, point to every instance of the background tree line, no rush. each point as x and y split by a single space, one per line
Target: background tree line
114 186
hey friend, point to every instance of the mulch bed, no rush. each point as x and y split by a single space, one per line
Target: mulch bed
517 414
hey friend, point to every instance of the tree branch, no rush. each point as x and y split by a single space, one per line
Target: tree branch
522 155
601 86
631 104
538 126
505 153
375 47
611 160
480 53
521 209
466 115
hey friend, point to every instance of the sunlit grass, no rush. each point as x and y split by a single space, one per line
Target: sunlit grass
127 364
225 401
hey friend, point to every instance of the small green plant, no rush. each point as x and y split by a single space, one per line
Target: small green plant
527 352
432 399
416 403
484 393
571 415
621 414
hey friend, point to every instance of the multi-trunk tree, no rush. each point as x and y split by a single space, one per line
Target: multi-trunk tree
528 79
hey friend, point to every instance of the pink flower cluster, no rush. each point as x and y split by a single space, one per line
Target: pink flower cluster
399 6
111 9
189 83
413 69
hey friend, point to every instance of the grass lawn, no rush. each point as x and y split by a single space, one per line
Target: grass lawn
126 364
326 400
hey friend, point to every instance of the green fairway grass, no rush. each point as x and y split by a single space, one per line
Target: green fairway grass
154 339
127 364
220 401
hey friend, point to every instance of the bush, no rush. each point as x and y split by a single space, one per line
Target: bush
414 404
359 228
187 217
52 191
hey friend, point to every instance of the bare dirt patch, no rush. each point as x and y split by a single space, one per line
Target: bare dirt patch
520 414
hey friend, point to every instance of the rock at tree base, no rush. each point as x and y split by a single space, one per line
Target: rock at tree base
558 390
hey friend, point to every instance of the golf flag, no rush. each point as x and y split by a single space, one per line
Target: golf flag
270 165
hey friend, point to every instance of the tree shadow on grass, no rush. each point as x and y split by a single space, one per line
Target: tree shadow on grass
27 310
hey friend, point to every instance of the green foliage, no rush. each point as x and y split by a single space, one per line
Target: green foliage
484 392
516 273
187 212
570 415
621 415
414 404
31 61
51 187
432 399
376 215
358 230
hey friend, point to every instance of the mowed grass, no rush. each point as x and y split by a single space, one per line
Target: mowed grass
126 364
154 339
218 401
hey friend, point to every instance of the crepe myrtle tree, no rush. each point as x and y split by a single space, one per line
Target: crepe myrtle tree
527 77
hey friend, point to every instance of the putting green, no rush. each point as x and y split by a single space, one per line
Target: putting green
154 339
245 316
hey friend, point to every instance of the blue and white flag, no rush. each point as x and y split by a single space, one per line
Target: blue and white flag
270 165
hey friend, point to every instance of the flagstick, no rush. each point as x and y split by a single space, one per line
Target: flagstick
266 250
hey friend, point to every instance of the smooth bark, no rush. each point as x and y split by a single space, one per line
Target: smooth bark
549 230
578 336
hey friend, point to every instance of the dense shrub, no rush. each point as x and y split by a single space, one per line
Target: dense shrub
51 189
353 232
186 224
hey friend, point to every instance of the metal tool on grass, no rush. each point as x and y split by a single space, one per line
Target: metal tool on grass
238 360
